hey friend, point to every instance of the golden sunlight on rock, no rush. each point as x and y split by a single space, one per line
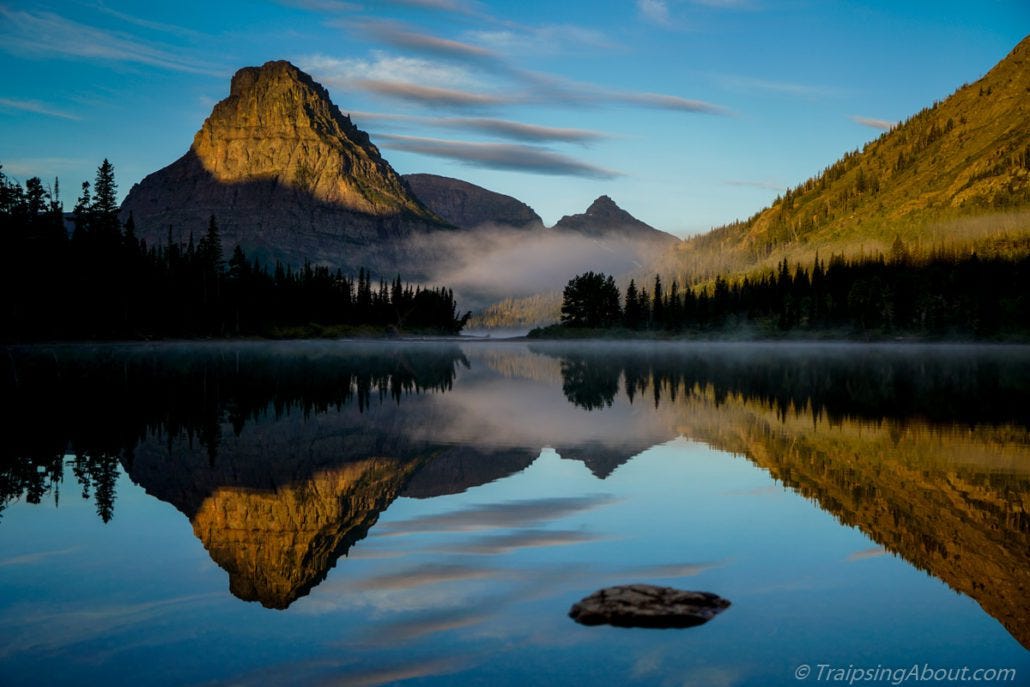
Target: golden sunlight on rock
278 544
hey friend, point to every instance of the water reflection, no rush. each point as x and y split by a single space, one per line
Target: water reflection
283 457
927 455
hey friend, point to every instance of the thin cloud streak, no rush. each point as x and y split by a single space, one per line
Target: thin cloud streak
427 624
882 124
326 6
41 166
48 34
401 36
507 514
766 185
543 39
654 11
530 539
503 156
430 95
36 107
406 671
148 24
674 570
454 6
745 83
865 554
426 575
548 89
501 128
667 102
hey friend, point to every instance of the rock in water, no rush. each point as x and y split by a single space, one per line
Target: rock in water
645 605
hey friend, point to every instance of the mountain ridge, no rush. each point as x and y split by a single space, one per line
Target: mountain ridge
469 206
922 181
604 216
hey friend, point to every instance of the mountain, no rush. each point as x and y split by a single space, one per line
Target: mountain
286 175
605 218
469 206
955 175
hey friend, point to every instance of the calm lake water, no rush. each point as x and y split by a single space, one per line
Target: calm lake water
426 513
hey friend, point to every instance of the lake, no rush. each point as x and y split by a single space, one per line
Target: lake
425 513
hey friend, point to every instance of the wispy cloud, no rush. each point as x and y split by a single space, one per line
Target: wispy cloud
502 128
36 107
864 554
48 34
402 36
431 95
529 539
36 557
546 88
672 571
503 156
751 183
404 671
654 11
407 79
428 623
727 4
882 124
344 72
519 131
506 514
324 6
426 575
148 24
749 84
456 6
663 102
41 166
541 39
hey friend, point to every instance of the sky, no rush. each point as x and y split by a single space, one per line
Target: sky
688 113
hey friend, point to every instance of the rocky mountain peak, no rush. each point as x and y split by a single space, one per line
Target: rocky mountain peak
279 124
605 218
604 206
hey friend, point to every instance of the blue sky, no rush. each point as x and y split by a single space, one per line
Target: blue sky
689 113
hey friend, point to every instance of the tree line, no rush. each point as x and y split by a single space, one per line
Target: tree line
102 282
943 296
89 408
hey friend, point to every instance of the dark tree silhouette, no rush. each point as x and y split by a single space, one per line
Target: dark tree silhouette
591 300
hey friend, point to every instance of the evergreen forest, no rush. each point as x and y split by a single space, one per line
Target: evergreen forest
96 280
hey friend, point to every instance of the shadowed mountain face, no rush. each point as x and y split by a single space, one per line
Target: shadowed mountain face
605 218
287 176
469 206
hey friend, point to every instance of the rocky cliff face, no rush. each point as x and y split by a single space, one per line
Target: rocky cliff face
605 218
277 544
287 176
469 206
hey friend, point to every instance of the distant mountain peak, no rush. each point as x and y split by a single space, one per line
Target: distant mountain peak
603 205
605 218
469 206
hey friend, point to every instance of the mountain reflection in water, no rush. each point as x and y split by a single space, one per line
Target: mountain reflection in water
283 456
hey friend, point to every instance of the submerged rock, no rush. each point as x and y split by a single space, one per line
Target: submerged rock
645 605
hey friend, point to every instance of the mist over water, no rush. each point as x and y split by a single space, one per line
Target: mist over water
368 512
488 264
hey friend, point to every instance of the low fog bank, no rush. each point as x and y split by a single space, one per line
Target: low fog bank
492 263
